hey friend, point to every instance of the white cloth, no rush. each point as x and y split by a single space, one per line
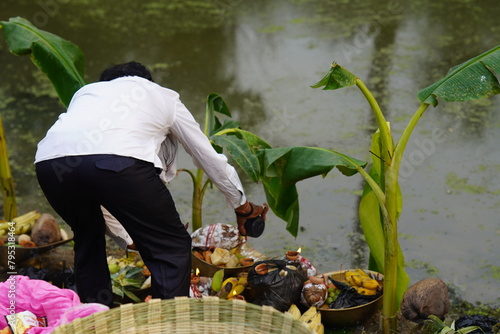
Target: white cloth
134 117
115 230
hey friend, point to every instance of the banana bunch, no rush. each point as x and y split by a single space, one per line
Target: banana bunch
311 318
233 286
362 282
22 224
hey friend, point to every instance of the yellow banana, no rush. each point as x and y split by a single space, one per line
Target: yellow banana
236 290
366 292
348 274
362 273
349 277
294 311
25 222
243 280
233 280
309 314
357 279
320 329
4 228
369 283
227 287
314 321
25 228
27 217
311 318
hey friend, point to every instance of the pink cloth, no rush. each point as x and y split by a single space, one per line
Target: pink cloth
60 306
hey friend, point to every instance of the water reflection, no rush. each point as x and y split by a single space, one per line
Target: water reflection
262 56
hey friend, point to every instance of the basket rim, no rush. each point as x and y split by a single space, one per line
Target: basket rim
179 306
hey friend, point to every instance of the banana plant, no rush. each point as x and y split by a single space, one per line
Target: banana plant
6 179
214 104
279 169
381 202
61 60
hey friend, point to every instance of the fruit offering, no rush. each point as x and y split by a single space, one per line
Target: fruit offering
362 282
32 229
354 287
311 317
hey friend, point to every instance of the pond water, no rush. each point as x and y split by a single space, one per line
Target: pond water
262 57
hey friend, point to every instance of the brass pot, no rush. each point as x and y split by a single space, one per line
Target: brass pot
353 315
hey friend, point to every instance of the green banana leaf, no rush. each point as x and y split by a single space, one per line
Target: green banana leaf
283 167
284 201
216 104
254 142
337 77
293 164
279 169
61 60
474 79
370 217
371 220
241 153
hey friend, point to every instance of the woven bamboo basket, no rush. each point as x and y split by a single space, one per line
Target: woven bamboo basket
183 315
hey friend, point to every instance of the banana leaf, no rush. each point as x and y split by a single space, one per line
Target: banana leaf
474 79
280 169
216 104
283 167
61 60
240 153
337 77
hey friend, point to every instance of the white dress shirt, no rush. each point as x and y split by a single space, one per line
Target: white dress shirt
134 117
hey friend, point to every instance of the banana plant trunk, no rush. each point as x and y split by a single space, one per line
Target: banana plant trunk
198 192
6 180
390 302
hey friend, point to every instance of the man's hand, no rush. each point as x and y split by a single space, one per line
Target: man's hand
247 211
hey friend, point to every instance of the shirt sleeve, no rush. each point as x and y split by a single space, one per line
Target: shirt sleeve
215 165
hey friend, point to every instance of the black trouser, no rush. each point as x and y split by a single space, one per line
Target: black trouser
132 191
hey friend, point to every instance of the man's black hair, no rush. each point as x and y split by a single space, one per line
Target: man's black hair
131 68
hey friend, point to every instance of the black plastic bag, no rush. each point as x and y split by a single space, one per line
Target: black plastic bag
64 278
279 287
349 297
34 273
484 322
